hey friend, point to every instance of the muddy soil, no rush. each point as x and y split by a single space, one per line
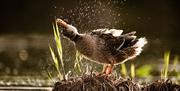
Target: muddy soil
110 83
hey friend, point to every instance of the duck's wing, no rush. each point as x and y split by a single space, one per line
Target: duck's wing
116 44
121 46
114 40
130 52
130 39
113 32
110 37
126 44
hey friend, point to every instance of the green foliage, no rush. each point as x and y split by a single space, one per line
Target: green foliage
177 74
56 63
132 71
50 77
60 53
58 45
58 59
78 62
144 71
123 70
164 72
174 72
176 58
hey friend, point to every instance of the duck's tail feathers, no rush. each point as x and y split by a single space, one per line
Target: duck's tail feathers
139 44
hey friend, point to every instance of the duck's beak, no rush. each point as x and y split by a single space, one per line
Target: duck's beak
62 23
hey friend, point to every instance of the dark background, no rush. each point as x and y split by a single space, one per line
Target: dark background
35 16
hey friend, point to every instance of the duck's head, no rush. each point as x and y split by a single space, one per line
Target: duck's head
69 31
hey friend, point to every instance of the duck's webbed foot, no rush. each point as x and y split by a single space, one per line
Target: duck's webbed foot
108 68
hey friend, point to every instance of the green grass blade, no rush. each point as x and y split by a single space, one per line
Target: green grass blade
54 57
176 58
59 58
132 71
55 60
78 62
164 73
57 30
123 70
59 47
50 77
166 61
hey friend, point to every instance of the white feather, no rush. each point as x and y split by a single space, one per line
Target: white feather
141 42
114 32
138 48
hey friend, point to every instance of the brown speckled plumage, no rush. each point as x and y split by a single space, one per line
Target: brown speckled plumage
105 46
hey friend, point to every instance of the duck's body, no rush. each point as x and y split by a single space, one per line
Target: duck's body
94 49
105 46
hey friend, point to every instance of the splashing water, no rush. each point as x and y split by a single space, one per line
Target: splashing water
91 15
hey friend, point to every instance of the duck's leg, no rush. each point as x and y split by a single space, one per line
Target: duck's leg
108 68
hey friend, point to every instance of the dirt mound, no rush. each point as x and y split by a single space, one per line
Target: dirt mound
109 83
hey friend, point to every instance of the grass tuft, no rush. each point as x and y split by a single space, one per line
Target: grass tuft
132 71
56 64
176 58
78 62
164 72
50 77
123 70
59 67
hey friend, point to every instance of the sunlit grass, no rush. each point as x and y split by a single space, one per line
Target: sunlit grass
78 62
58 59
176 58
59 46
175 66
132 71
50 77
56 63
164 72
123 70
60 53
144 71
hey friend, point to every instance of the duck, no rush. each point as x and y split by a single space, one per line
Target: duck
104 46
